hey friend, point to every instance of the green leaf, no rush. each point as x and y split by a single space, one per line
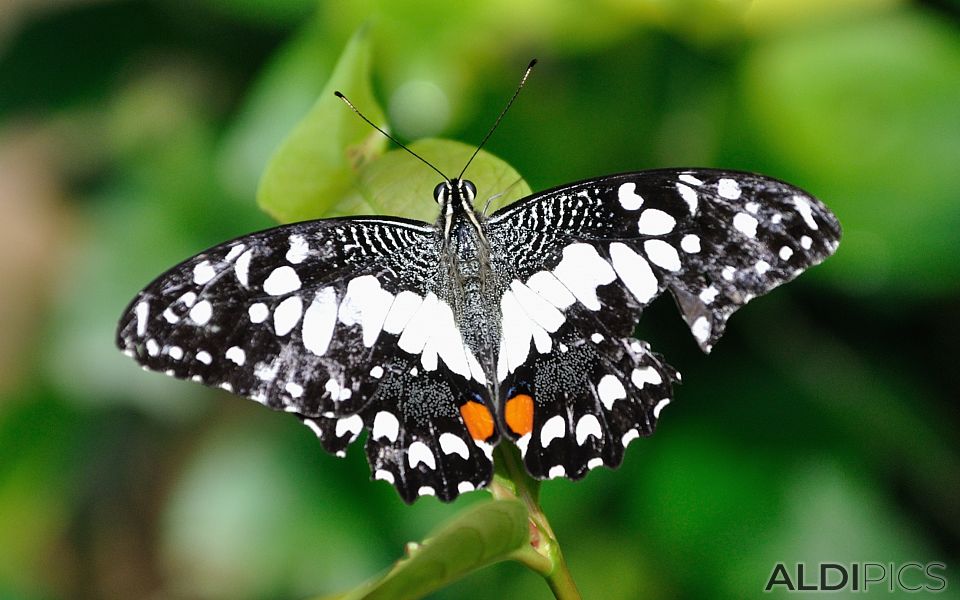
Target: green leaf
485 533
399 184
316 165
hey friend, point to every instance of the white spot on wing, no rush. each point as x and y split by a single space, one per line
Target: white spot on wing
660 405
517 330
242 268
709 294
522 442
634 271
312 424
418 453
383 475
644 375
319 321
556 471
610 389
587 426
143 312
806 242
465 486
153 348
175 352
662 254
299 248
629 437
366 304
188 298
761 267
688 178
204 357
655 222
582 271
786 252
234 252
803 207
452 444
728 188
281 280
689 196
258 312
690 243
537 307
203 272
404 306
236 355
446 339
745 224
629 199
728 272
287 315
201 312
420 325
352 425
376 372
385 425
701 329
549 287
554 428
294 389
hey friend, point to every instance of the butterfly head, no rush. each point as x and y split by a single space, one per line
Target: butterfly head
455 194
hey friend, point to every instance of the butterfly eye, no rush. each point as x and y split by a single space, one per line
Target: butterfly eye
471 189
439 192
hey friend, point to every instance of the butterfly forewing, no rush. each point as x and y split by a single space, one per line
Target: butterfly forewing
598 252
339 323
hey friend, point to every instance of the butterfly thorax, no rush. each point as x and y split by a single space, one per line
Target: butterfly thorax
465 274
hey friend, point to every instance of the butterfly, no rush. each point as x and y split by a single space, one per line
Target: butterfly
439 340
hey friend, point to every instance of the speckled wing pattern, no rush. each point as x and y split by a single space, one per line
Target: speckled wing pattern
583 260
335 322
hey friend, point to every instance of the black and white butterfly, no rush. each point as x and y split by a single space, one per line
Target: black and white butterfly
439 339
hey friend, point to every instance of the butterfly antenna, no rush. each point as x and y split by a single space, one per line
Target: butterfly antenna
388 136
523 80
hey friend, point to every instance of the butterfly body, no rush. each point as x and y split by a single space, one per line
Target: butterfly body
439 339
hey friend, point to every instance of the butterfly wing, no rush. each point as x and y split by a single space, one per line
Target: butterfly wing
584 260
336 321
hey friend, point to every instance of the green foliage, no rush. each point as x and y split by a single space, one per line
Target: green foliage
133 135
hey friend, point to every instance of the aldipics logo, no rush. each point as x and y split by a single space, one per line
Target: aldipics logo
859 577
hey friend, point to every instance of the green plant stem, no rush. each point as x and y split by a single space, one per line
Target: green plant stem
543 554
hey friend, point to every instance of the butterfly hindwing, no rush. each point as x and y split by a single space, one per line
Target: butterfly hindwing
429 432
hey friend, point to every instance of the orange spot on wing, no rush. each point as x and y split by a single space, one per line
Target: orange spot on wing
478 420
518 414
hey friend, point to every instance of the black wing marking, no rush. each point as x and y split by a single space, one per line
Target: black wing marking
583 261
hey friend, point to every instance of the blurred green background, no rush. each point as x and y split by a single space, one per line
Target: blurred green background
823 428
